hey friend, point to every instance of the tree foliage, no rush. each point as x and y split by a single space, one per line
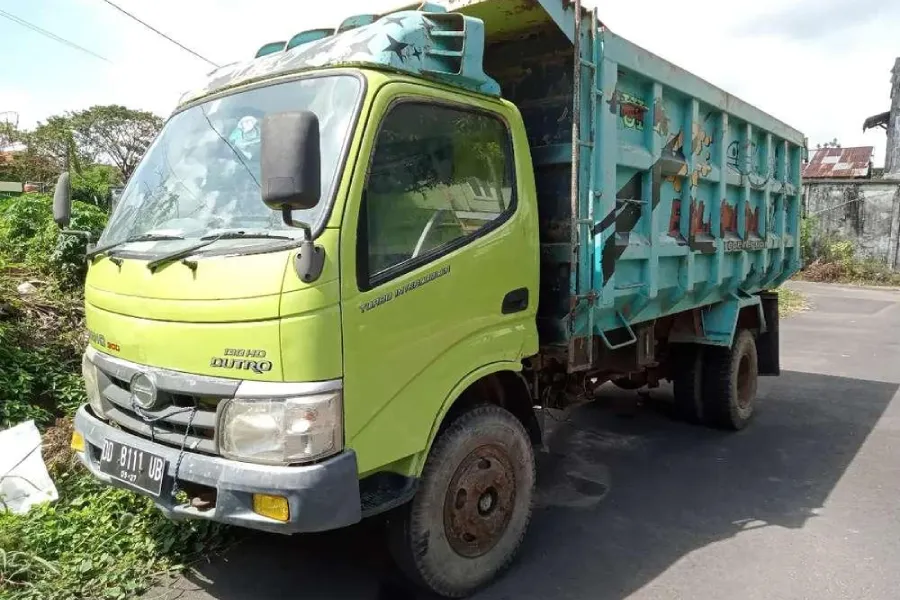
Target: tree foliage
104 137
115 134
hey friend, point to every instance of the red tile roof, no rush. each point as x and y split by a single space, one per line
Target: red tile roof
839 162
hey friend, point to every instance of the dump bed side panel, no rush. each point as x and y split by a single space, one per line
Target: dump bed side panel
694 195
685 194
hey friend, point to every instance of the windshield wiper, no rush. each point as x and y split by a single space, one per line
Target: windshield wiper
144 237
211 239
240 234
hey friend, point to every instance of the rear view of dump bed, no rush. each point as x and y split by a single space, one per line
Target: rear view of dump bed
681 195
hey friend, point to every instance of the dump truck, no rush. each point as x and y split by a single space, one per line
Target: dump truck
352 273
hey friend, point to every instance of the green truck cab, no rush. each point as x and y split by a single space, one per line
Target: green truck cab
347 274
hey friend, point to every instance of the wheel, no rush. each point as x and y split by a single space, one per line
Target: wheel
687 382
631 383
729 382
469 516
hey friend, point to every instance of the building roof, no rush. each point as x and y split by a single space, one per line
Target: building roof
839 162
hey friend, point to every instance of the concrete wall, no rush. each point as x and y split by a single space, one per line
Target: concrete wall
866 212
892 154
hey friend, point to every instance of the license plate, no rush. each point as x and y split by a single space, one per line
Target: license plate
137 468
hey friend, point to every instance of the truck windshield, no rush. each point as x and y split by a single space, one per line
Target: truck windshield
202 173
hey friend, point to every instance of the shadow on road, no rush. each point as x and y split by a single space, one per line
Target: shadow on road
620 499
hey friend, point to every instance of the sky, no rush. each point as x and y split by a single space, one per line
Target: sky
822 66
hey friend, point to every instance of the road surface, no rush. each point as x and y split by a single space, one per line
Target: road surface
804 504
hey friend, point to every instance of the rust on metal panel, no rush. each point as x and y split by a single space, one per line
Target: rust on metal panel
839 162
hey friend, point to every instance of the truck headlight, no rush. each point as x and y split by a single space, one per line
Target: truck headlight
282 431
92 386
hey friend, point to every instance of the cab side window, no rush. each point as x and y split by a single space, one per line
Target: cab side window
440 176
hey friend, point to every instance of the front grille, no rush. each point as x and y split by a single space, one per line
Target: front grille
176 392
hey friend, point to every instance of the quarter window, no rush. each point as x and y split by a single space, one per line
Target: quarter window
439 177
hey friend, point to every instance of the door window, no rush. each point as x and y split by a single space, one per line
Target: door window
440 176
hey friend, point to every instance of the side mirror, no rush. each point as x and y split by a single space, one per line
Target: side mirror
62 200
291 161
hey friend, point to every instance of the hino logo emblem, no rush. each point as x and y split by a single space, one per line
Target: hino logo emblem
143 391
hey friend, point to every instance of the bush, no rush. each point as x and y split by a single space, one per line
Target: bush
29 235
93 184
837 263
807 246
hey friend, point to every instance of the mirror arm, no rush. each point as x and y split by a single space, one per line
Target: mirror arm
310 261
288 219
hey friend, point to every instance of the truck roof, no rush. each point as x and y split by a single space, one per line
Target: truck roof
447 47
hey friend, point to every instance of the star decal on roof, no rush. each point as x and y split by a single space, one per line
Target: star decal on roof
396 47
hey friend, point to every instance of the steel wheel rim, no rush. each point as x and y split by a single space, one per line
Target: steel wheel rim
479 501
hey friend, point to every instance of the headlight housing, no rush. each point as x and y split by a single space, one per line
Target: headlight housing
281 431
92 386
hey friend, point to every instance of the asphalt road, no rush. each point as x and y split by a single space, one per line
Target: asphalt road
804 504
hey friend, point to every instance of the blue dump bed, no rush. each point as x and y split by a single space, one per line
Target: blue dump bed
682 195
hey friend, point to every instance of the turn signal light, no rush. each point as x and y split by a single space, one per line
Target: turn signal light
274 507
77 442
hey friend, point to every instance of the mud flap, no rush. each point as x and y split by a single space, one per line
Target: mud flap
767 345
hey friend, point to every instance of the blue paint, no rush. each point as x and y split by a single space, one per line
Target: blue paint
688 207
446 47
305 37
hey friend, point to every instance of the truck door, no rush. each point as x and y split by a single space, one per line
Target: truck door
439 264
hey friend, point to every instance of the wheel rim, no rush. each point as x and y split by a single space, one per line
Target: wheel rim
744 383
479 501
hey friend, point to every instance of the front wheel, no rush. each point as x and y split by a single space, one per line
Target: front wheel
469 516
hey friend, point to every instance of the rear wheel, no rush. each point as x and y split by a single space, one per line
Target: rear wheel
687 382
729 382
469 516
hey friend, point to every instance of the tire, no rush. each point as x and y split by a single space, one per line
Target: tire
730 378
627 383
451 541
687 382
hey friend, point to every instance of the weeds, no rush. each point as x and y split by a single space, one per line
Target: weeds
790 302
94 542
838 263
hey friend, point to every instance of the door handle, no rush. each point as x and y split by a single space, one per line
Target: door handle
515 301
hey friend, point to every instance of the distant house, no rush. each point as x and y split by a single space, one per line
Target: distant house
840 163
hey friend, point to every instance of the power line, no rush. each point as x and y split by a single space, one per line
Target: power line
157 31
50 34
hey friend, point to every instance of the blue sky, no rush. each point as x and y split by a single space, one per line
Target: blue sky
822 66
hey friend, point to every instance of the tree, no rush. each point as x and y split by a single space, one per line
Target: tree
114 134
54 141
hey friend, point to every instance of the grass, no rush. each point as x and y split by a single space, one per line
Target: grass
790 302
94 542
